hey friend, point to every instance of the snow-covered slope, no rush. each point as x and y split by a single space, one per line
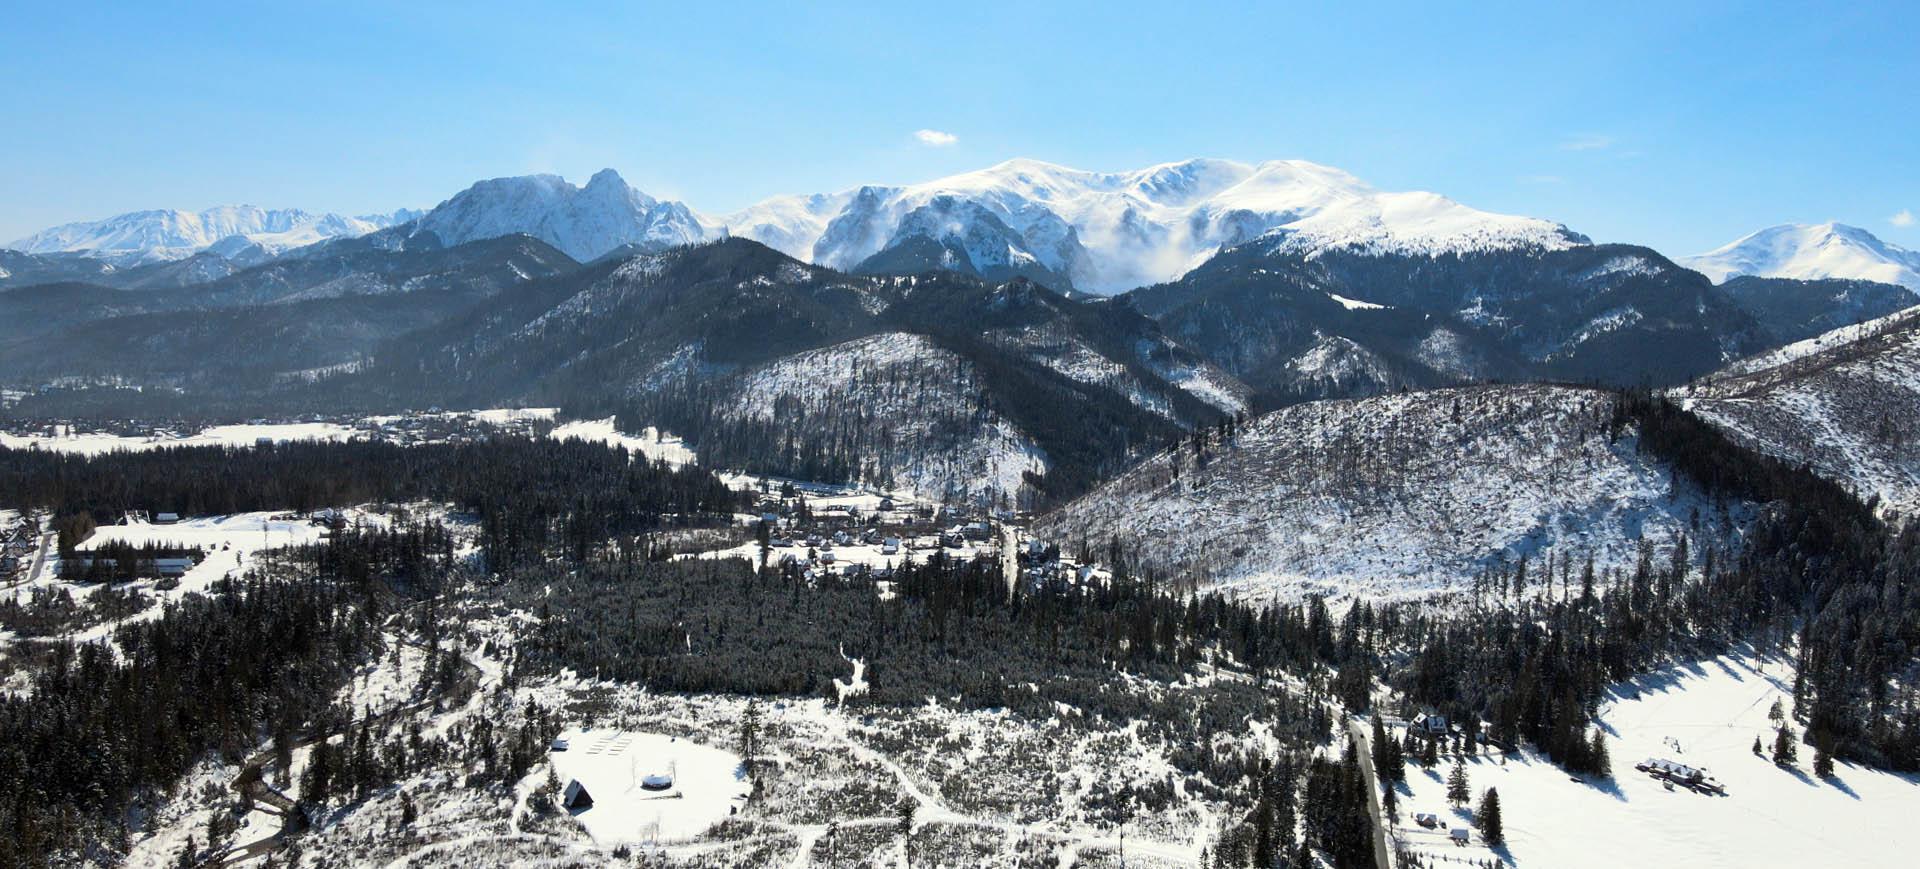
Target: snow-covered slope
1392 496
583 222
1110 231
171 234
1810 251
917 395
1846 403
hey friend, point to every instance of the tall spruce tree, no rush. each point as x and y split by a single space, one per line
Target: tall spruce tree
1488 818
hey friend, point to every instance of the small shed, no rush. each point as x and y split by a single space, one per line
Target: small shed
165 518
576 797
1460 835
658 781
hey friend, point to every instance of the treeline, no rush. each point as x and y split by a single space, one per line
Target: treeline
1820 557
814 440
533 496
942 628
1541 643
1329 809
96 728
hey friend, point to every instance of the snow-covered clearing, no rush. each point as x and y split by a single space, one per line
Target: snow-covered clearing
650 442
707 784
1706 715
244 435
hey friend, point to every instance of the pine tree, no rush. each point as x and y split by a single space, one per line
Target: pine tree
1390 803
1488 818
1458 791
750 735
1784 753
1598 758
1757 750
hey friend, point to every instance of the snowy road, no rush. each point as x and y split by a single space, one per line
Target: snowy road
1382 849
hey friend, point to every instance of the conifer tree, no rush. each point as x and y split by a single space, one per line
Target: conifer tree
1784 752
1488 818
1458 791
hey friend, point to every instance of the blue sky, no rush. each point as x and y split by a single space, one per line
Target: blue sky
1680 125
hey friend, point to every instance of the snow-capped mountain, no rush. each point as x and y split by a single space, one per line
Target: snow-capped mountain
1108 232
583 222
1810 251
237 232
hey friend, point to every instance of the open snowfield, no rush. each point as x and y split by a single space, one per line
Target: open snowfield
650 442
228 541
1705 715
708 784
94 443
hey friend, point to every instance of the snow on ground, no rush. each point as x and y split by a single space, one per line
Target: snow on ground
246 435
652 443
918 400
229 543
1396 495
1705 715
1846 403
708 784
854 554
1356 304
67 440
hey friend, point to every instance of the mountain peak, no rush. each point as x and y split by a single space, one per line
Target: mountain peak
1112 231
1811 251
583 222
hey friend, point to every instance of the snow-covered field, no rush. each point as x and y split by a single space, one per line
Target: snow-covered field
1707 715
68 440
93 443
650 442
1394 496
229 542
707 784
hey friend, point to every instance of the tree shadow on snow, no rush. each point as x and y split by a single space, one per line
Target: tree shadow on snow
1841 785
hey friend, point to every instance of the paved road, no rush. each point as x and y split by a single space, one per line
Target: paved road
40 559
1382 849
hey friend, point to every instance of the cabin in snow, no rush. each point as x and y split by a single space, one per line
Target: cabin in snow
576 798
1428 724
1460 835
165 518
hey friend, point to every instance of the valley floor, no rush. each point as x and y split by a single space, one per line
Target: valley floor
1706 715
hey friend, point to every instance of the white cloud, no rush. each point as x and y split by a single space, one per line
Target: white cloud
1903 219
935 138
1587 142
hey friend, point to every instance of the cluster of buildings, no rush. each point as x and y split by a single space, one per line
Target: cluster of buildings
19 543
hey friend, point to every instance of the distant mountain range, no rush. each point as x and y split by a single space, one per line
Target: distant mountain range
239 233
1102 232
